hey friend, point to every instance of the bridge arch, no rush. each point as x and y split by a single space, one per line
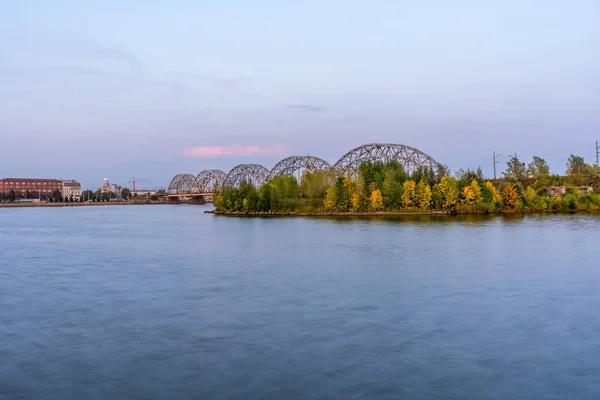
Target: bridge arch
254 173
183 183
210 180
409 157
289 165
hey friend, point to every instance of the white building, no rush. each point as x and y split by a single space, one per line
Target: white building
108 188
71 188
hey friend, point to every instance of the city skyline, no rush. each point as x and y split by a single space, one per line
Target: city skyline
149 90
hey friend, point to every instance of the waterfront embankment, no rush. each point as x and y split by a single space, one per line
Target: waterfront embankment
90 204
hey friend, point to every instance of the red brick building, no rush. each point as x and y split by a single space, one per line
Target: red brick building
23 185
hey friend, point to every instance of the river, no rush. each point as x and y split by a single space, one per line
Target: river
165 302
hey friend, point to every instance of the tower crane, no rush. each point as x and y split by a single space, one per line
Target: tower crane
133 181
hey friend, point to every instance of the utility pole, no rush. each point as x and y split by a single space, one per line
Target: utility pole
597 153
495 162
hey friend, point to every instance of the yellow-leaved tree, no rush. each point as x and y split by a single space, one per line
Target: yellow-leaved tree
408 193
476 189
330 198
446 193
511 196
529 196
356 201
219 203
496 197
468 196
423 195
376 202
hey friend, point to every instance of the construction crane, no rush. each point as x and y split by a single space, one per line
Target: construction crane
133 181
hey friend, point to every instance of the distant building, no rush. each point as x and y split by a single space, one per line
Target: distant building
38 187
143 192
71 188
108 188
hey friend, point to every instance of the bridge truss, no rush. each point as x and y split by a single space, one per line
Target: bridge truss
210 181
183 183
409 157
253 173
289 165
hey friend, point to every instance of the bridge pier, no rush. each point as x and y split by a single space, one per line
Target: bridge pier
173 200
197 200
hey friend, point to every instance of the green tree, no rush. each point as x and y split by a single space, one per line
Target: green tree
12 195
343 193
576 165
58 198
466 177
538 167
264 198
126 194
515 168
315 184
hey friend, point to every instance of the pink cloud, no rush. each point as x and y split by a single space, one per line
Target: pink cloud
235 150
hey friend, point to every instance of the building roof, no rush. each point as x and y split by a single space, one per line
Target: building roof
29 180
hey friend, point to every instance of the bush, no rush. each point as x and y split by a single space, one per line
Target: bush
570 202
542 192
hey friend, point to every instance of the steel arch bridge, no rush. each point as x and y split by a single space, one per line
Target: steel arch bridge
210 180
183 183
289 165
409 157
253 173
207 182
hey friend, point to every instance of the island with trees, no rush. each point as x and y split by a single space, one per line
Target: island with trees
387 188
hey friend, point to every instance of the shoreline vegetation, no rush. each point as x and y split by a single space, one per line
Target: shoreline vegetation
387 189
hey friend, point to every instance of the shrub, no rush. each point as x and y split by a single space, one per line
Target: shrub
570 201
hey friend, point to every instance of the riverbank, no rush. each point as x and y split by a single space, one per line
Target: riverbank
435 213
325 214
90 204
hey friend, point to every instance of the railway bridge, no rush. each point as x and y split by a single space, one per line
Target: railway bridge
201 188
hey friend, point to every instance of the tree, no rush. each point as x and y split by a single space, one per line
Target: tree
538 167
408 193
125 193
476 191
511 196
529 196
445 193
515 168
376 202
343 191
12 196
87 195
489 194
423 195
357 201
576 165
330 198
467 195
58 198
465 178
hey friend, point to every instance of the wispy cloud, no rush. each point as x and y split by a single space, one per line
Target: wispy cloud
235 150
306 107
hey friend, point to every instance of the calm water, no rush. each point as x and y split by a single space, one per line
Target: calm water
164 302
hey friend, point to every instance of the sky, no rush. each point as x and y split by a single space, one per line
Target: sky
149 89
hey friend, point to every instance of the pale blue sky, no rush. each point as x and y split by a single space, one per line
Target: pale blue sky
90 89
